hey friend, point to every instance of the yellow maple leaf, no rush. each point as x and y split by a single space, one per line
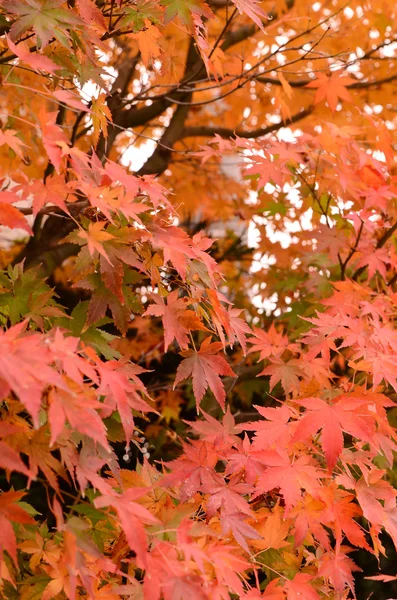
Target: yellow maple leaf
100 115
95 237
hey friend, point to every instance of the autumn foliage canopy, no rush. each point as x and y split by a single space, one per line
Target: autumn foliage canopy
198 299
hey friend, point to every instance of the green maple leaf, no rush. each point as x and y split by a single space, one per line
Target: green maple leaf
46 18
25 295
144 10
92 335
184 10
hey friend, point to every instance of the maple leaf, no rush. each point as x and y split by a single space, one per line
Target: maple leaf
337 567
11 216
227 497
383 578
24 367
52 191
332 420
171 313
40 549
269 343
244 459
194 468
36 445
376 259
132 517
100 116
299 588
176 246
273 527
46 17
240 529
309 519
331 88
80 410
289 477
112 274
341 510
205 368
251 8
70 98
211 429
102 298
238 327
287 373
228 320
272 432
11 512
34 60
200 245
11 461
227 564
53 137
87 464
147 42
185 9
273 591
90 13
123 391
94 238
118 174
10 137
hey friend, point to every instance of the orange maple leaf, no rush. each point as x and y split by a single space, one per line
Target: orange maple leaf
331 89
147 42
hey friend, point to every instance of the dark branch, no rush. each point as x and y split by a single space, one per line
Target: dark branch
357 85
204 131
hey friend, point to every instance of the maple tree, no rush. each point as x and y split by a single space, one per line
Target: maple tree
198 291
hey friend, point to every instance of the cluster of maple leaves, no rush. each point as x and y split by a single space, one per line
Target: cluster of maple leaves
271 508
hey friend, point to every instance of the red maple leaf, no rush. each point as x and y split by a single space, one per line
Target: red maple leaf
332 419
171 313
227 496
211 429
11 512
274 430
80 409
299 588
132 517
291 478
11 216
287 373
236 524
195 468
338 568
273 591
25 367
33 59
52 191
123 391
205 368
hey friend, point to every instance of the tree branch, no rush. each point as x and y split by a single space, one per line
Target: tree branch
353 86
159 160
204 131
